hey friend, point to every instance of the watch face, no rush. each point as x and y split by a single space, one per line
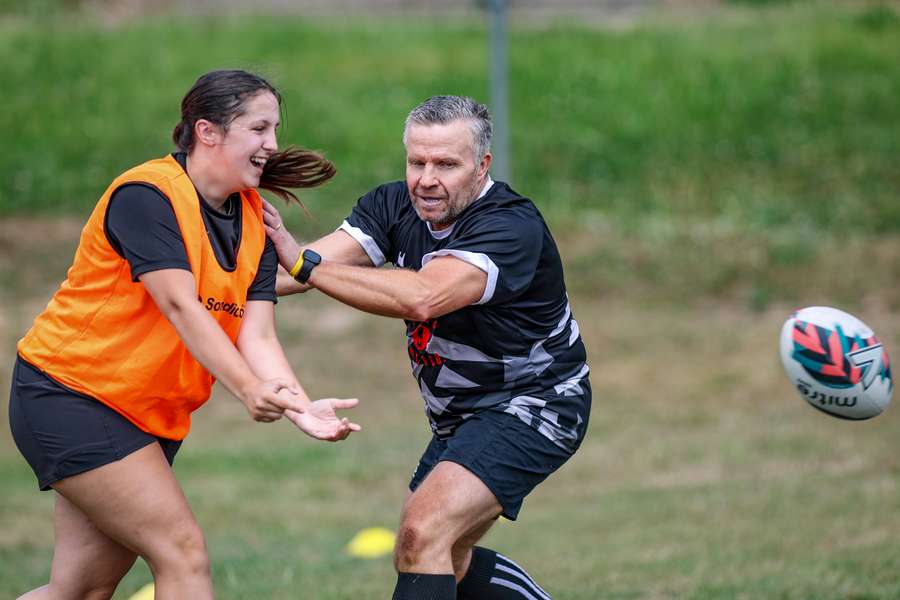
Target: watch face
310 260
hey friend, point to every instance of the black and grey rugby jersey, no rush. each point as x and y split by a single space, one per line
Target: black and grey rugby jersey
518 348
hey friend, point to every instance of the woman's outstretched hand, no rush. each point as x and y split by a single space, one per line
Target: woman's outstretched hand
320 421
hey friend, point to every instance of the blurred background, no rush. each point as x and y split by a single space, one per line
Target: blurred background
706 166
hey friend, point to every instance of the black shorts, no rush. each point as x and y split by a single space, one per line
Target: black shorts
61 432
507 455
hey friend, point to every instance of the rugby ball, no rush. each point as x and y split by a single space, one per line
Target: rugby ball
836 363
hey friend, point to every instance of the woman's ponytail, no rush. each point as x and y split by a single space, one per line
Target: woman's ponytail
295 168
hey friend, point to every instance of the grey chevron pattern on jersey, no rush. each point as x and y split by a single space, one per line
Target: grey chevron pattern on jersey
572 386
529 408
515 367
436 404
573 336
456 351
448 378
562 322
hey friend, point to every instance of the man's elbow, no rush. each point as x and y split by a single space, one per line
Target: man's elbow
418 313
424 308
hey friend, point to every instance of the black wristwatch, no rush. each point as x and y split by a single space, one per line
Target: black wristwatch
311 259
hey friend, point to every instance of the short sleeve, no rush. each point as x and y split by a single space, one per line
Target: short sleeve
504 244
141 226
263 286
371 221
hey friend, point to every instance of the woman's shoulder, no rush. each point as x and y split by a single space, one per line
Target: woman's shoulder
151 171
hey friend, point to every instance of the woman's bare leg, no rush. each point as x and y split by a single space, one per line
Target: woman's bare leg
137 503
87 564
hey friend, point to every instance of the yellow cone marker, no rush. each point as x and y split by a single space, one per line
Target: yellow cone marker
371 542
145 593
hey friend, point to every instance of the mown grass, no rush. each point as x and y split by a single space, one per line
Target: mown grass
704 476
765 138
702 178
773 131
764 119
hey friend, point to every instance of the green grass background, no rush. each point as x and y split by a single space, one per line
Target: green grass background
703 173
774 129
764 118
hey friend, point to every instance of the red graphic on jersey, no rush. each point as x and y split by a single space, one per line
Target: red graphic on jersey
419 335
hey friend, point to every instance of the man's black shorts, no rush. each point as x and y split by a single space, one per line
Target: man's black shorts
507 455
61 432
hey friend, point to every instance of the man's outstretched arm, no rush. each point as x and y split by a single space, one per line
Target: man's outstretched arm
443 285
338 246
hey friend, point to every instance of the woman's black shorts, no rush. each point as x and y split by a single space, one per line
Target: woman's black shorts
61 432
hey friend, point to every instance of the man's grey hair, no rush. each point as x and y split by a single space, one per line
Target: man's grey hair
445 109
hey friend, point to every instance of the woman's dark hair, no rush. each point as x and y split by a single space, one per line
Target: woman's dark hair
220 97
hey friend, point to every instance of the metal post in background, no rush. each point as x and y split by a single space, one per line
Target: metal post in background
499 96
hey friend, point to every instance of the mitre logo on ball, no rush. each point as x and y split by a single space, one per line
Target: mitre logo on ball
836 363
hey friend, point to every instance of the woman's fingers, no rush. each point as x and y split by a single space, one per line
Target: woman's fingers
268 416
343 402
323 426
288 400
287 396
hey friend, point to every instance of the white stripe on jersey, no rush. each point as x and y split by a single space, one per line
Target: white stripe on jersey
367 242
476 259
562 322
571 386
575 332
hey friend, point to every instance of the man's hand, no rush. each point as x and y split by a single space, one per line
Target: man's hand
319 421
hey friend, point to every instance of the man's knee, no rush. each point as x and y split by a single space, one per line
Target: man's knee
419 537
412 542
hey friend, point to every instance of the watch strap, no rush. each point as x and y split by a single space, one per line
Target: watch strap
309 259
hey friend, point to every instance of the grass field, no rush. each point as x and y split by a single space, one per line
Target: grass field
766 137
703 476
703 177
759 118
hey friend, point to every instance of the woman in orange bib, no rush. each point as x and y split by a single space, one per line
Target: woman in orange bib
172 287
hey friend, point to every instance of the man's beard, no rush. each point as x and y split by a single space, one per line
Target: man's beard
454 209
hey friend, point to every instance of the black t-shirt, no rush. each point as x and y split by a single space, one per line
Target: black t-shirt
141 226
518 348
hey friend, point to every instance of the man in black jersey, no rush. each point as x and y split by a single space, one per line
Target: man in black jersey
492 342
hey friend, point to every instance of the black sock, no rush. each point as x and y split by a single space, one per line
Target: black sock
417 586
492 576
